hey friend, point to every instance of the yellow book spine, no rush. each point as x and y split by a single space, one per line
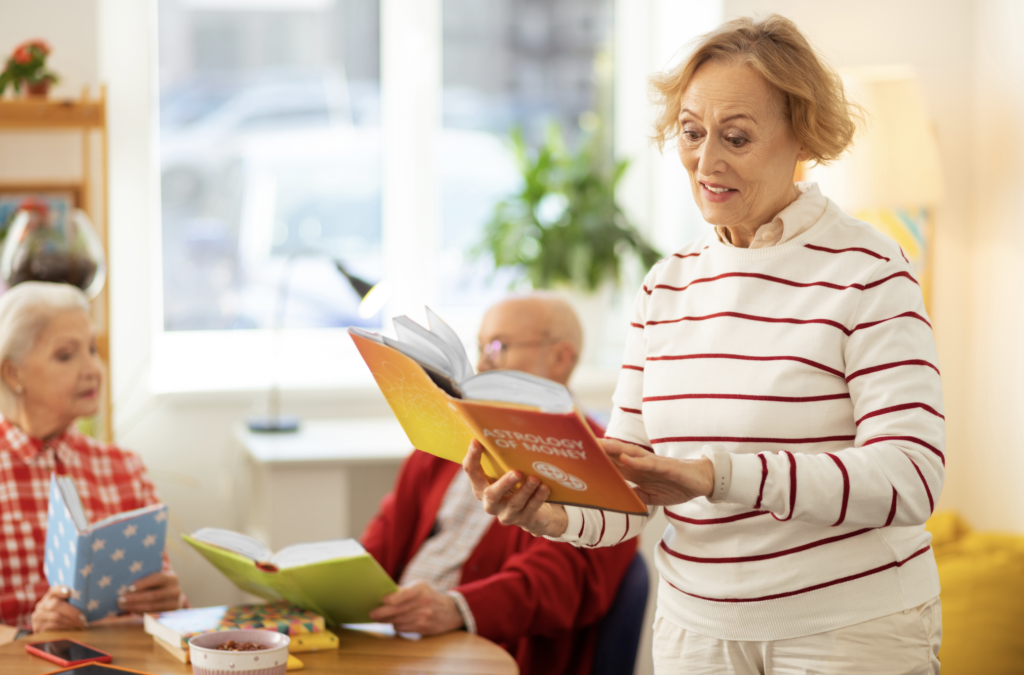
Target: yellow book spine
313 642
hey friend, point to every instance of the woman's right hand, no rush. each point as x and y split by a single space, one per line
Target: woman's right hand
54 612
524 507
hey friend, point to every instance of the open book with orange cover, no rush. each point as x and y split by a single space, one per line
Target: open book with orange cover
525 422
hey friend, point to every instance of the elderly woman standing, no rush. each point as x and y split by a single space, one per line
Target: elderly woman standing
780 395
49 376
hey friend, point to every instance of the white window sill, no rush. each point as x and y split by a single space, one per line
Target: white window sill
248 361
321 362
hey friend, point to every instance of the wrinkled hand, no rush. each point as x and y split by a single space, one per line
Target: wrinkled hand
418 608
524 507
157 592
54 612
661 481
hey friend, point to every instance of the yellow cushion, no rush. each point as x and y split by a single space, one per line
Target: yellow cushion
947 527
982 576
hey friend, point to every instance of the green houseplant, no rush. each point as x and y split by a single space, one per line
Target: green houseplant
27 66
564 227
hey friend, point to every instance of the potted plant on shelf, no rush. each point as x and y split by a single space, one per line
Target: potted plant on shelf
563 227
27 66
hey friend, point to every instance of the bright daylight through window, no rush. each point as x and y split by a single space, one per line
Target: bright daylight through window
270 149
272 144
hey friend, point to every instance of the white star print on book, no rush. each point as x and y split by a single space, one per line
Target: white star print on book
118 549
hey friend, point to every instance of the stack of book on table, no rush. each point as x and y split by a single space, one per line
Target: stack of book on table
307 630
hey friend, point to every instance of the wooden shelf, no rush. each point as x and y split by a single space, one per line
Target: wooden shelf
49 114
88 117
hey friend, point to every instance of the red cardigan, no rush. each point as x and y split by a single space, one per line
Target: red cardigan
539 599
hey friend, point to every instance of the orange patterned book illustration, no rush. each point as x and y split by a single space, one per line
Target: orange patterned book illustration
525 422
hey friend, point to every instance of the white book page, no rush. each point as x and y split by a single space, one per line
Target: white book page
410 332
366 334
512 386
74 503
417 352
234 541
306 554
463 368
127 515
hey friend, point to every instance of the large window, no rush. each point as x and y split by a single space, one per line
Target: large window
270 161
291 129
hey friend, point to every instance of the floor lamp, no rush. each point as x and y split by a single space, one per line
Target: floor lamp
892 177
372 299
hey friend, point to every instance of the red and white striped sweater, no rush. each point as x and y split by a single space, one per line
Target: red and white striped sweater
812 363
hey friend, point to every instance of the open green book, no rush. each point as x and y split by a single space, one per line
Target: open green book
336 579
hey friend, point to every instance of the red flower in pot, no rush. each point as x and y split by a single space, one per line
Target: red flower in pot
27 66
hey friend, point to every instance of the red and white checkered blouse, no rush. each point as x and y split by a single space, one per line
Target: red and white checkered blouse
109 481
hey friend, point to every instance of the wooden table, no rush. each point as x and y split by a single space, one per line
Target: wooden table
359 654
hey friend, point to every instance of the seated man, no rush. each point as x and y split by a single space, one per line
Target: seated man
459 568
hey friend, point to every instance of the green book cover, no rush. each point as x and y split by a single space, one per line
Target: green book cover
341 589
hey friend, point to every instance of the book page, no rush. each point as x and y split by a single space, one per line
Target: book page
127 515
513 386
234 541
305 554
463 368
429 358
411 333
71 500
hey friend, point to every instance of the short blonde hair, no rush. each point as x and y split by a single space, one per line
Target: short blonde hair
25 310
821 117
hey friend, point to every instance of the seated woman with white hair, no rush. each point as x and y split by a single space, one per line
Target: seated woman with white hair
50 375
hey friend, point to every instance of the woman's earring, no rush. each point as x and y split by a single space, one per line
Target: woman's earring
17 388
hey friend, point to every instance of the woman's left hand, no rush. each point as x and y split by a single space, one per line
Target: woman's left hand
158 592
661 481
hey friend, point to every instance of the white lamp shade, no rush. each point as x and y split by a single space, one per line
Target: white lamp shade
894 161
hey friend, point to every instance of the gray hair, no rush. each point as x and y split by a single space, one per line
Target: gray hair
25 310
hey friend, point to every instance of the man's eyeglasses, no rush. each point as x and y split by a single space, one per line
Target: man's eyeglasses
495 352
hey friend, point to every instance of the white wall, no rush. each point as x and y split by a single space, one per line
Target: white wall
69 26
992 496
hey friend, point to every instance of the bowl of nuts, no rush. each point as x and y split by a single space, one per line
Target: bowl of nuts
253 652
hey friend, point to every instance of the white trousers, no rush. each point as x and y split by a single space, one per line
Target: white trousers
899 644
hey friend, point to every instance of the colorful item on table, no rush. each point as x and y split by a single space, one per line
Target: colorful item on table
181 624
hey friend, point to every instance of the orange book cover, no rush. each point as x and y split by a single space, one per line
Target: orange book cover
558 448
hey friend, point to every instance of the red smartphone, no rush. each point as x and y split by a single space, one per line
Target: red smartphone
68 653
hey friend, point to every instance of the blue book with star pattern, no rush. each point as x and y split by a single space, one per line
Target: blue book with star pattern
100 561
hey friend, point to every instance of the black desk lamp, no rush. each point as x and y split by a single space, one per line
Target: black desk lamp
372 299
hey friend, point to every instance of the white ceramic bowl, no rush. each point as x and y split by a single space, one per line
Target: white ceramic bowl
208 660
